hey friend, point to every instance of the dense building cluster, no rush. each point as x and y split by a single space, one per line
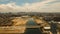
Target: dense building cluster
52 19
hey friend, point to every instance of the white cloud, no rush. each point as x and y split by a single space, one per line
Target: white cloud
37 7
52 8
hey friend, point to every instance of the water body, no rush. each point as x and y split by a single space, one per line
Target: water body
32 30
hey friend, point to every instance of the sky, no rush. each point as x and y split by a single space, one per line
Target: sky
29 5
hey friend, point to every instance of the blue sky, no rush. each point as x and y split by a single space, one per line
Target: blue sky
19 2
30 5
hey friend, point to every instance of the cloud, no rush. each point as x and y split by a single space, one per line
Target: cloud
52 8
30 7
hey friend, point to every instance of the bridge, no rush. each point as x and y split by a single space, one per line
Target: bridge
15 29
